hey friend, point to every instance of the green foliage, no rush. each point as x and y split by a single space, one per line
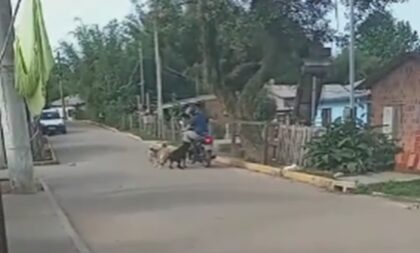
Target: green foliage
352 149
266 107
228 47
381 35
339 71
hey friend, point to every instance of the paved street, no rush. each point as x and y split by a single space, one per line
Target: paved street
118 203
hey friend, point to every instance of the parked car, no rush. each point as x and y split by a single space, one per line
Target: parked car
52 123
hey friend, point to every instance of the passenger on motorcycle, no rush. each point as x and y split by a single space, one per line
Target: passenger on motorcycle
198 120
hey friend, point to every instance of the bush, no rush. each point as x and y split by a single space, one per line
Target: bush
352 149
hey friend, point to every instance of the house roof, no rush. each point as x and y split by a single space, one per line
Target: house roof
381 73
74 100
330 92
192 100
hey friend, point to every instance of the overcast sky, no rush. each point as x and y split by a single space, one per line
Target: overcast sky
60 14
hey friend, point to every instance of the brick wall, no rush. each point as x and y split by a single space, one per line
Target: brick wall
400 88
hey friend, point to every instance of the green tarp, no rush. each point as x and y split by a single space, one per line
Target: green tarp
34 58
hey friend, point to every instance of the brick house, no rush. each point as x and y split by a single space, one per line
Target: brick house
395 105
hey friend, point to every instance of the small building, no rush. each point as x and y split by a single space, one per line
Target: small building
395 96
335 98
73 103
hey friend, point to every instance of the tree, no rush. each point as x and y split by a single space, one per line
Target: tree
379 39
382 36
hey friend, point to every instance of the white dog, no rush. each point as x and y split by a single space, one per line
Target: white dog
158 153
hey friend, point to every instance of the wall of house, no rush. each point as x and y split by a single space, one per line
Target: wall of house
401 89
337 110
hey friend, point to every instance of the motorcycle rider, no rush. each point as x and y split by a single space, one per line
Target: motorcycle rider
198 119
199 124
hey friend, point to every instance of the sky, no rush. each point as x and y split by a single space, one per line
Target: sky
60 14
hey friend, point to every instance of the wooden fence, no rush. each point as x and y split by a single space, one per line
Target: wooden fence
286 144
262 142
273 143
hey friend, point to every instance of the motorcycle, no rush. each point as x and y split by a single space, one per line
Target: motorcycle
202 151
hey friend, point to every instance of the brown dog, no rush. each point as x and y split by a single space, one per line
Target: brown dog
179 156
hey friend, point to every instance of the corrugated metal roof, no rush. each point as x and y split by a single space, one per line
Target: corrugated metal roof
74 100
193 100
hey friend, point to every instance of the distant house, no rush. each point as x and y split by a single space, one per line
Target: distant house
395 98
73 101
333 101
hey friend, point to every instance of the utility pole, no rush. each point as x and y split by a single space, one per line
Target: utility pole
60 83
352 60
13 113
158 79
313 100
142 82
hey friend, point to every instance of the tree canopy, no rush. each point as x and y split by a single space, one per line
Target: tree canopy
228 47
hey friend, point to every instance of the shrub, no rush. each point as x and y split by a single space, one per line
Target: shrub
352 149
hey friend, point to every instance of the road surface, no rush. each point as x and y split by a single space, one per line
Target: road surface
118 203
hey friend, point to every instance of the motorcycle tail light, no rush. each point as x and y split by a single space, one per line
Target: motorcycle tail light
208 140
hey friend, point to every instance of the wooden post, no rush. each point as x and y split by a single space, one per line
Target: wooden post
266 143
3 235
130 122
173 134
139 111
233 144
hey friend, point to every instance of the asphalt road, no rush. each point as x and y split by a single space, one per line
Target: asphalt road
118 203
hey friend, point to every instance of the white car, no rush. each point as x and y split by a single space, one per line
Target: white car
52 123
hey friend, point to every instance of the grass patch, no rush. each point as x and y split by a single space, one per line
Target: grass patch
400 189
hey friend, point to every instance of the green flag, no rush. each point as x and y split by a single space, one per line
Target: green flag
34 58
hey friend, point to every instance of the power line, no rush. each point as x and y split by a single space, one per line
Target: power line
9 32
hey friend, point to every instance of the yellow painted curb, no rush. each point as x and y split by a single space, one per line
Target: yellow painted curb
318 181
260 168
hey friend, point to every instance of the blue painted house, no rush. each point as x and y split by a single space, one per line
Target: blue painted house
333 101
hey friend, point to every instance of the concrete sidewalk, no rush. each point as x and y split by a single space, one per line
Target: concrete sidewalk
34 226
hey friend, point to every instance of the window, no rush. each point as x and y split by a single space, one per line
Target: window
392 120
326 116
50 115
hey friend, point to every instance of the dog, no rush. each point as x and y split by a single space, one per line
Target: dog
179 156
158 153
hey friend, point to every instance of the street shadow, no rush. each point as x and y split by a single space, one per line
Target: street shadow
80 153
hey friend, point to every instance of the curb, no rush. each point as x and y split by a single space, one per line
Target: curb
318 181
112 129
65 221
255 167
91 122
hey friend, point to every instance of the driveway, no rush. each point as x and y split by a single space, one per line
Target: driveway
118 203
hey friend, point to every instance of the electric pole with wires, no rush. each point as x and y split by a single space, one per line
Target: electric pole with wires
12 110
